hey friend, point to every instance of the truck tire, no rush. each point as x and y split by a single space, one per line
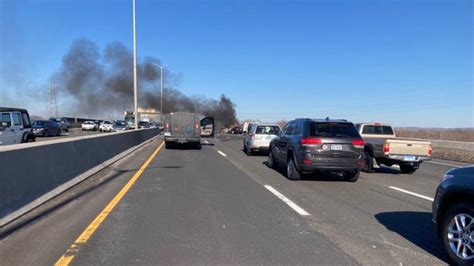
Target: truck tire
407 169
351 176
368 162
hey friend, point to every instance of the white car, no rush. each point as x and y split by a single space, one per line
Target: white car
106 126
88 125
259 137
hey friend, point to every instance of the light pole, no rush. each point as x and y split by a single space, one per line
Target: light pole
135 89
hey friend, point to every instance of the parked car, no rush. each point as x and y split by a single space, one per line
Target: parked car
15 126
259 137
106 126
89 126
383 147
120 125
46 128
236 130
307 145
63 123
453 214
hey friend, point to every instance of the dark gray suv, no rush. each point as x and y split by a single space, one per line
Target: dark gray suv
308 145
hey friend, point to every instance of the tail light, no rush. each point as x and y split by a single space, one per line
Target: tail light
167 125
358 143
386 148
430 150
311 141
197 126
307 161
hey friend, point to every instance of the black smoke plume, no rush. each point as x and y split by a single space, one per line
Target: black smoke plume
101 84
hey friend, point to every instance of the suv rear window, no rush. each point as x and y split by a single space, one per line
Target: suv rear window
377 130
333 130
267 130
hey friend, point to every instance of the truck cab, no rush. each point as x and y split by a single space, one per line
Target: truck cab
15 126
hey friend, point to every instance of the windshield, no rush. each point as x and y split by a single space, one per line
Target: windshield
333 130
267 130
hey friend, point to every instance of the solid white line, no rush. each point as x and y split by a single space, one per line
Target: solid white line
221 153
290 203
411 193
446 164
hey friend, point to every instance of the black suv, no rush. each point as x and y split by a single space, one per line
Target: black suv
453 214
307 145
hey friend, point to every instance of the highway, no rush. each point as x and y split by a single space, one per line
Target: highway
219 206
74 132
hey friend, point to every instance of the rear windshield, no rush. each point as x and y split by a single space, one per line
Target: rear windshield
38 123
333 130
267 130
377 130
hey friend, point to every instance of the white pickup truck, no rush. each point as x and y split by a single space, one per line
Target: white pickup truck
383 147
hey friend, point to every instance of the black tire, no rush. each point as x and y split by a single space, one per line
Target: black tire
368 163
460 208
407 169
351 176
59 132
249 152
271 160
245 149
45 133
168 145
291 170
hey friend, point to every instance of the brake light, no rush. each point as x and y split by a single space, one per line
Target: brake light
386 148
358 143
197 125
310 141
167 125
430 150
307 161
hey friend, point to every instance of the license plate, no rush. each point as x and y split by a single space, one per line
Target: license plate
336 147
409 158
167 133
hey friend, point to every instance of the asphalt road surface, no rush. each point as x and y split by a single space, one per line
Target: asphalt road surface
75 132
219 206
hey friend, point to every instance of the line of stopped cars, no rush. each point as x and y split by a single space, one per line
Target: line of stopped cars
339 146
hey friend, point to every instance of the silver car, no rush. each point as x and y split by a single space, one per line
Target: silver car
259 137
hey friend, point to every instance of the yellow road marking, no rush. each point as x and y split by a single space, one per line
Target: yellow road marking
67 258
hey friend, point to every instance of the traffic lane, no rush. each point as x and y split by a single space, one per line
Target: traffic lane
46 238
366 219
70 134
194 207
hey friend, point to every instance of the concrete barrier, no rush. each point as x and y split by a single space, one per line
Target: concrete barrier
30 171
452 150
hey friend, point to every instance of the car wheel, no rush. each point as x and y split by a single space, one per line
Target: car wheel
351 176
59 132
248 151
245 148
407 169
291 171
458 233
45 133
271 160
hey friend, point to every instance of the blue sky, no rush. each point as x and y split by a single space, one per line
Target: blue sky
409 63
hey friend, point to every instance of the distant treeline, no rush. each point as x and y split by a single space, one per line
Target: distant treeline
456 134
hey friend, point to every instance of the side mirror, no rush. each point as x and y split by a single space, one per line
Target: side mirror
6 124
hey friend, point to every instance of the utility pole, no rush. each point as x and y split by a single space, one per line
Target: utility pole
135 87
